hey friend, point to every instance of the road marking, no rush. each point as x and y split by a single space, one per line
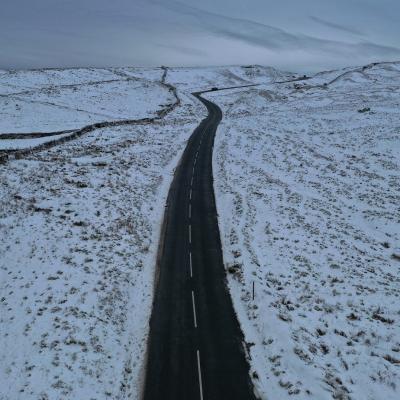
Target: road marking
191 265
190 194
200 380
193 167
190 234
190 211
194 311
191 182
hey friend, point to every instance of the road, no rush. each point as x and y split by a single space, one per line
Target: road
195 349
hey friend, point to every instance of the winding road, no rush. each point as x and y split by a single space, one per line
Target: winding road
196 346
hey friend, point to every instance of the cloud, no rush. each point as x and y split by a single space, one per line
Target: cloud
276 39
337 26
48 33
184 50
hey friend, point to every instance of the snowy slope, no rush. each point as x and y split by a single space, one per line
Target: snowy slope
307 183
79 224
307 192
197 79
79 228
54 100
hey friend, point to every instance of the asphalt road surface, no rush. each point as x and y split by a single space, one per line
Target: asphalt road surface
196 345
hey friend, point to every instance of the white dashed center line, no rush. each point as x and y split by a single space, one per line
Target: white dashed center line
191 264
194 311
190 234
200 380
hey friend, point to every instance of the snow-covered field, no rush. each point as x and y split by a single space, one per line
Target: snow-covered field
307 181
45 100
79 227
308 198
198 79
79 222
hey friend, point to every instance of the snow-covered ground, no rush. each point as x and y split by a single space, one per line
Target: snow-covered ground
79 227
79 222
197 79
307 180
45 100
307 193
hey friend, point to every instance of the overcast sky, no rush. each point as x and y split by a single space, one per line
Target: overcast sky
304 35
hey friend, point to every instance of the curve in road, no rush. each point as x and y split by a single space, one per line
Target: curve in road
196 345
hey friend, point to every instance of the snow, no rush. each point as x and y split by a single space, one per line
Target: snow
52 100
197 79
80 225
20 144
307 188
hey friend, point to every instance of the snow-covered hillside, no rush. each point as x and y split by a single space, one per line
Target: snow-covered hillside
80 219
307 179
198 79
307 187
79 227
50 100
